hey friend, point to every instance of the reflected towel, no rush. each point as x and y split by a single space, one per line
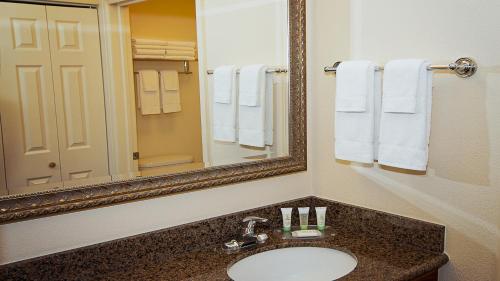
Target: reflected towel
149 92
170 91
224 103
252 106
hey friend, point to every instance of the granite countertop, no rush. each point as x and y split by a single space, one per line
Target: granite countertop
378 259
388 247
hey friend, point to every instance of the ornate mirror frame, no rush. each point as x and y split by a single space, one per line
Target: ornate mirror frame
27 206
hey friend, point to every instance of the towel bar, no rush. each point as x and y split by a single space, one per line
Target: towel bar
269 70
463 67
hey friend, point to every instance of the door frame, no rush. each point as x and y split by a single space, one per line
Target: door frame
118 74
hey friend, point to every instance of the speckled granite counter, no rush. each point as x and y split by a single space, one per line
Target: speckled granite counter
387 247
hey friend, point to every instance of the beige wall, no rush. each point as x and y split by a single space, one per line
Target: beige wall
172 133
462 187
460 191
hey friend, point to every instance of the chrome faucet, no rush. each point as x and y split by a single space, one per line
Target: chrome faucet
251 221
248 238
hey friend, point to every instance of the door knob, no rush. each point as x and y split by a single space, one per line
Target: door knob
52 165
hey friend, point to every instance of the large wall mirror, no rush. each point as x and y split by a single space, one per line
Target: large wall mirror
108 101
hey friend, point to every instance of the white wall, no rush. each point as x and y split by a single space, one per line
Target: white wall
462 187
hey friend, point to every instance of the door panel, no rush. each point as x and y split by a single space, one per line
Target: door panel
27 100
78 87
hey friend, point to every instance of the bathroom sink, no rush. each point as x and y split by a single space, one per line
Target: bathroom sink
294 264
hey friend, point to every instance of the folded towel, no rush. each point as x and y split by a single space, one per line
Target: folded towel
163 43
405 128
160 47
400 93
353 85
252 106
224 83
149 93
155 52
358 95
170 93
252 84
224 103
181 44
189 53
154 57
149 80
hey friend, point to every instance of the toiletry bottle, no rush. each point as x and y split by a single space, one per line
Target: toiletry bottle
321 217
287 218
304 217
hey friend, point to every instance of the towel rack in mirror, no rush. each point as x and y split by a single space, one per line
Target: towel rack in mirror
186 67
463 67
269 70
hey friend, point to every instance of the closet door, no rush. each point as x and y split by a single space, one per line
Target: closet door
78 87
27 99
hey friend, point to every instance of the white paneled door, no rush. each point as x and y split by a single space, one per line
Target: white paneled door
79 94
27 99
51 97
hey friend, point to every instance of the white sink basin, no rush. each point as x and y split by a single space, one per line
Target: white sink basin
294 264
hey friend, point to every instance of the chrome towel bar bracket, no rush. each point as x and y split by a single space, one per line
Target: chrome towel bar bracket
463 67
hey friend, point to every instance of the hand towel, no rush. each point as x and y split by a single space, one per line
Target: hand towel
149 92
400 93
252 106
170 92
358 95
154 52
252 84
224 83
224 104
405 128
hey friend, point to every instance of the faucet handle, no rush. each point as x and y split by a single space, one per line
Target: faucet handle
249 229
254 219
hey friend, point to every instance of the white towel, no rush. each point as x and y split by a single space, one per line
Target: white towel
406 115
224 103
154 52
224 83
149 92
137 41
252 84
358 97
252 106
153 57
170 91
163 47
400 91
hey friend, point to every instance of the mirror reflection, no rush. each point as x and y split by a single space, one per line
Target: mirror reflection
208 79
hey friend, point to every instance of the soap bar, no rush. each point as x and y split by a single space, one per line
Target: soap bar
306 233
